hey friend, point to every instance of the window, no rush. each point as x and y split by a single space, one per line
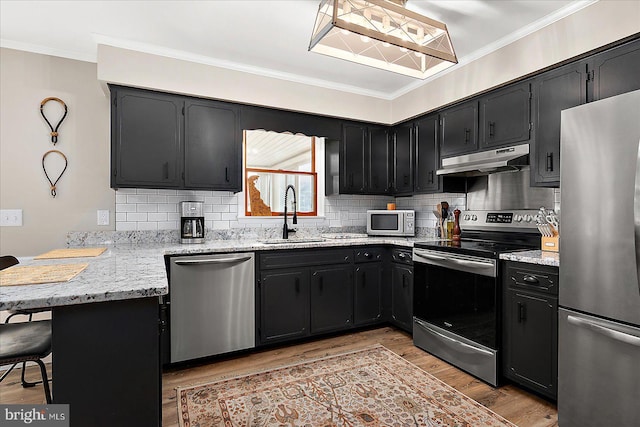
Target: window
272 161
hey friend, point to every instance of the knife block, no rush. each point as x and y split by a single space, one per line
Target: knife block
550 244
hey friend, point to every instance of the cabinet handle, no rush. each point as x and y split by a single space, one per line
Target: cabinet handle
467 135
364 279
431 177
404 281
522 312
550 162
531 279
321 283
346 258
406 180
492 129
226 174
367 255
165 170
297 285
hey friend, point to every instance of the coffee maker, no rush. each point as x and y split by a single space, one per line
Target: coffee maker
192 222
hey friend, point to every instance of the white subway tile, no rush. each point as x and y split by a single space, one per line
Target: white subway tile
208 224
168 225
121 198
229 216
125 207
173 216
147 207
136 216
126 191
168 192
169 207
214 216
176 199
221 225
214 200
137 199
146 191
157 199
220 208
120 216
125 226
147 226
157 216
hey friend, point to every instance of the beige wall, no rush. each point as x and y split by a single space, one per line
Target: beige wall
592 27
25 80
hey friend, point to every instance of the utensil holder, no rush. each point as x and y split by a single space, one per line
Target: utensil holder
550 244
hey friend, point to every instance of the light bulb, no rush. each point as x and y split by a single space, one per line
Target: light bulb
365 39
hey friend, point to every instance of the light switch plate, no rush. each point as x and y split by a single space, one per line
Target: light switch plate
10 217
103 217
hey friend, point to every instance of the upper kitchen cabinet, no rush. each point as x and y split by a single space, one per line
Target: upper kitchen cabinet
403 152
505 116
615 71
426 154
211 154
169 141
553 91
252 118
377 161
146 139
459 129
352 159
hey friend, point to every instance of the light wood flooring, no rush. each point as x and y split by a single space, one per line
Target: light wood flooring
518 406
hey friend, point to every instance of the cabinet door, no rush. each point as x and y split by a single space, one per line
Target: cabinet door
531 341
379 165
402 296
616 71
352 179
553 92
146 139
212 146
368 293
403 159
284 305
331 298
459 129
505 116
426 160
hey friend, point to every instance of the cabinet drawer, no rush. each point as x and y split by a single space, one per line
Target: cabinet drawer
309 257
368 254
540 278
403 256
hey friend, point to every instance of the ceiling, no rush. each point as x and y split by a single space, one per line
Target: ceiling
266 37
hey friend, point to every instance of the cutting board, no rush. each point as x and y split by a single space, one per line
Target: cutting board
71 253
36 274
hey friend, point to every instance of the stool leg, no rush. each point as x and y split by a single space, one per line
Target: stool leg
45 380
25 383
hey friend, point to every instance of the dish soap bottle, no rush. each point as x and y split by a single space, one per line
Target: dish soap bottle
450 225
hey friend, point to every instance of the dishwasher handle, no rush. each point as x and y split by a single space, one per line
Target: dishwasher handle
202 261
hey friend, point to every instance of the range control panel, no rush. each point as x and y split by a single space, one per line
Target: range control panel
523 220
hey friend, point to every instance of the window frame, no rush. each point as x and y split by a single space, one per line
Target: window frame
313 173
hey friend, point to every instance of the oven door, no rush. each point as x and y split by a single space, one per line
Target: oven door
456 310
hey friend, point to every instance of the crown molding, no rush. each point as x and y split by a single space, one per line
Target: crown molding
46 50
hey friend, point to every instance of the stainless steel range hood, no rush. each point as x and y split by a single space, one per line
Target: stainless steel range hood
487 162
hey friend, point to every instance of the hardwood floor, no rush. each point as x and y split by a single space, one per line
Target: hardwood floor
518 406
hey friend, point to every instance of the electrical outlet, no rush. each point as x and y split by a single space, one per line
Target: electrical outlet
103 217
11 217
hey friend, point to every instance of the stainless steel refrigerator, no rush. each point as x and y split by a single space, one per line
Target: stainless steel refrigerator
599 316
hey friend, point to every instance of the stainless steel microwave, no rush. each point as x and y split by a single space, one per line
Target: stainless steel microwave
391 223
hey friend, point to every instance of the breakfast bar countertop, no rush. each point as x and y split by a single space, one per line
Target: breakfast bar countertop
129 271
533 257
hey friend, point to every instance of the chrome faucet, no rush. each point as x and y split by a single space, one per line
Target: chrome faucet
286 230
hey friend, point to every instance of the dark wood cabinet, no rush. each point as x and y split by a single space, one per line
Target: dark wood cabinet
505 116
352 159
331 298
211 151
459 129
377 161
368 293
402 289
553 92
284 305
614 71
403 155
426 157
530 326
147 139
169 141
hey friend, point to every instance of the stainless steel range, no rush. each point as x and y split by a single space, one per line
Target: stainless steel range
457 288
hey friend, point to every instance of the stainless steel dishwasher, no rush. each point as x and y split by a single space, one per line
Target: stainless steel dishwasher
212 304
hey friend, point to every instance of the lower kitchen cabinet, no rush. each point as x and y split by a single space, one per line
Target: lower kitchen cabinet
331 298
284 305
530 327
402 289
368 303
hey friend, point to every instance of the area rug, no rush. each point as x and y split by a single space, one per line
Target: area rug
370 387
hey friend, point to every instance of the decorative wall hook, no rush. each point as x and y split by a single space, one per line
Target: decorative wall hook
66 163
54 132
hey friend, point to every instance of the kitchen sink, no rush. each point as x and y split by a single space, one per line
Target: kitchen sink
291 241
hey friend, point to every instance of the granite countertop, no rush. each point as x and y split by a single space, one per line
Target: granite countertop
534 257
128 271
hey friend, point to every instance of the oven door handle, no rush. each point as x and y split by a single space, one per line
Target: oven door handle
472 263
474 348
431 257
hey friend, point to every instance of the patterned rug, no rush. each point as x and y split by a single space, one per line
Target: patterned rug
371 387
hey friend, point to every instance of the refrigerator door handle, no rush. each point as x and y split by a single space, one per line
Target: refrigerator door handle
636 215
611 333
